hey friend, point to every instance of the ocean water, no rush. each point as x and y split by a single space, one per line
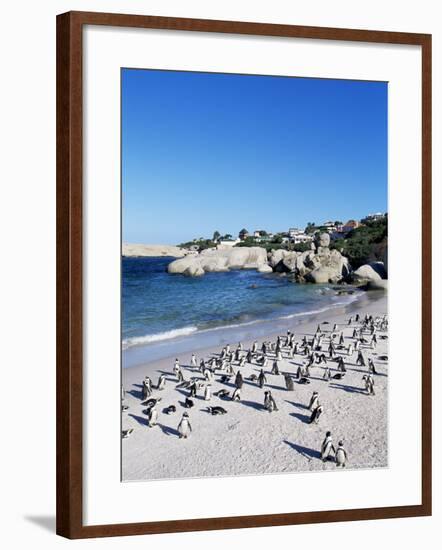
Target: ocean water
159 309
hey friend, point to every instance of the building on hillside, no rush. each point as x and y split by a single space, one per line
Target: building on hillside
374 217
347 227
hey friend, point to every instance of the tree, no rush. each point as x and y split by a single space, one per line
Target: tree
216 236
310 227
227 237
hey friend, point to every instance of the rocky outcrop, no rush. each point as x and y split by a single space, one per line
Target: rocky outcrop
152 250
212 260
373 276
374 271
321 265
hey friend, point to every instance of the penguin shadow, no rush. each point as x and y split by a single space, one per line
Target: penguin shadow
302 417
252 405
135 393
167 430
299 405
273 387
304 451
141 421
346 388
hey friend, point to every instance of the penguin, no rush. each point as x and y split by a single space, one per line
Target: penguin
371 366
341 455
360 360
262 379
253 378
170 409
192 388
303 380
224 379
369 383
147 388
184 427
222 394
269 402
350 350
176 366
314 401
239 381
193 361
327 447
151 402
152 417
341 364
161 382
236 396
216 410
242 361
207 392
275 368
188 403
341 339
254 347
126 433
249 357
289 382
338 376
299 372
327 373
316 414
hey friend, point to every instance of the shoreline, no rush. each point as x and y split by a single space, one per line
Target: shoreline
248 440
203 340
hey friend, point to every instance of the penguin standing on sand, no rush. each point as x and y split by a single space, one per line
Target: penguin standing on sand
236 395
147 388
350 349
192 388
152 417
275 368
239 381
316 414
299 372
207 392
161 382
341 339
254 347
262 379
269 402
341 455
193 361
289 382
184 427
341 364
327 373
327 447
360 360
369 383
314 401
371 367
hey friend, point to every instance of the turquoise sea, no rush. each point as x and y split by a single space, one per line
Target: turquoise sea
162 313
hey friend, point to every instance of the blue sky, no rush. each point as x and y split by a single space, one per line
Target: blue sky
204 152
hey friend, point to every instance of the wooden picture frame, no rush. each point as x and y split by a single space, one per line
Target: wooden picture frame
70 266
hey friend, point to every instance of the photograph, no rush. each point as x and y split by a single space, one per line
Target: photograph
254 274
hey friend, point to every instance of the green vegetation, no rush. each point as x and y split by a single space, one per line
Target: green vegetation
200 243
364 244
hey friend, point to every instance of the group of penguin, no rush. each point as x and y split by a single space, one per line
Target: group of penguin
365 334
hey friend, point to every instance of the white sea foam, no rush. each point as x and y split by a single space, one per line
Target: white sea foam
186 331
149 338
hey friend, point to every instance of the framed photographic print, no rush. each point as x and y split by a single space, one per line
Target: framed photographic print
243 274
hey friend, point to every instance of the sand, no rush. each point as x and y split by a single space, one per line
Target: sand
152 250
248 439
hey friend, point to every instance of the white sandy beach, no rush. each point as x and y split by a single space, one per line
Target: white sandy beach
248 439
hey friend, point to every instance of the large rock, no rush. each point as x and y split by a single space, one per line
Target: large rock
319 275
374 271
212 260
265 269
322 240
